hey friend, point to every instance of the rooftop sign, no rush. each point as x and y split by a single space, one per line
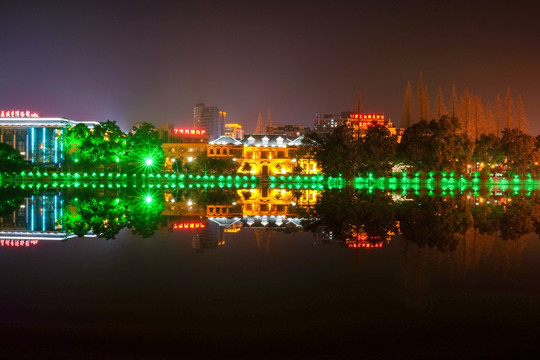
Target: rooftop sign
188 132
18 114
368 117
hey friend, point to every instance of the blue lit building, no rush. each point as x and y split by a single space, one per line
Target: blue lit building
36 138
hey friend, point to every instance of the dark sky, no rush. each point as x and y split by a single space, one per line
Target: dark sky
134 61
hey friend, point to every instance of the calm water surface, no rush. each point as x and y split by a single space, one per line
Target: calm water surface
268 294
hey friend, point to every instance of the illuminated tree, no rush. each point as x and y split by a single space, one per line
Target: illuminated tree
72 140
108 144
144 151
11 160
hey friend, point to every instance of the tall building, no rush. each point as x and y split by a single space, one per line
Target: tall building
209 118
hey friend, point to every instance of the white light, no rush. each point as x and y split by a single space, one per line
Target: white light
190 159
148 162
189 203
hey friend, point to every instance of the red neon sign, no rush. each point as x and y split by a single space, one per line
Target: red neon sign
18 243
18 114
188 132
368 117
189 225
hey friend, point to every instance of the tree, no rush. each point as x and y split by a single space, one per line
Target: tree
519 149
339 153
488 149
11 160
406 118
422 100
454 102
521 119
440 107
509 108
377 151
72 144
435 145
144 151
498 114
108 143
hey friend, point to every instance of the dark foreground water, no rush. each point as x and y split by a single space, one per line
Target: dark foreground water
268 295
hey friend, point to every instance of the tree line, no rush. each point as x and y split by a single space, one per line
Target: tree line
476 116
107 147
438 222
436 145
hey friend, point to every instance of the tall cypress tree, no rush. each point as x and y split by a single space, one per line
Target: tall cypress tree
406 118
509 108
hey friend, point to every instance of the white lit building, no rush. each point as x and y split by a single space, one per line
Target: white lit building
36 138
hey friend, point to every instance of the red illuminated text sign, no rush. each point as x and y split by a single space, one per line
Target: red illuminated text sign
18 243
368 117
18 114
189 225
188 132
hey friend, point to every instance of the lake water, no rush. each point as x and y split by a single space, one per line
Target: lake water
255 291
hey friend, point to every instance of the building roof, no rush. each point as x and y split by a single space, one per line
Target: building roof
225 140
42 122
261 140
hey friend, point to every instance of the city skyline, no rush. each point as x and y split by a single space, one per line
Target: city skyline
139 61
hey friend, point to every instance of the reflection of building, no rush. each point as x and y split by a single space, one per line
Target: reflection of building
209 118
36 138
37 218
275 209
267 201
210 237
264 154
181 145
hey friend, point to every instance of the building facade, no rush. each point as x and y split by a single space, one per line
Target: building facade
209 118
264 154
37 138
181 145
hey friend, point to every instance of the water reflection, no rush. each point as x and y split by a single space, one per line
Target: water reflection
356 218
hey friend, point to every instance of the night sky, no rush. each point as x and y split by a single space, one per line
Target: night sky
134 61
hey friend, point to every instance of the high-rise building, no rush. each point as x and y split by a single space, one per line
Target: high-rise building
209 118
